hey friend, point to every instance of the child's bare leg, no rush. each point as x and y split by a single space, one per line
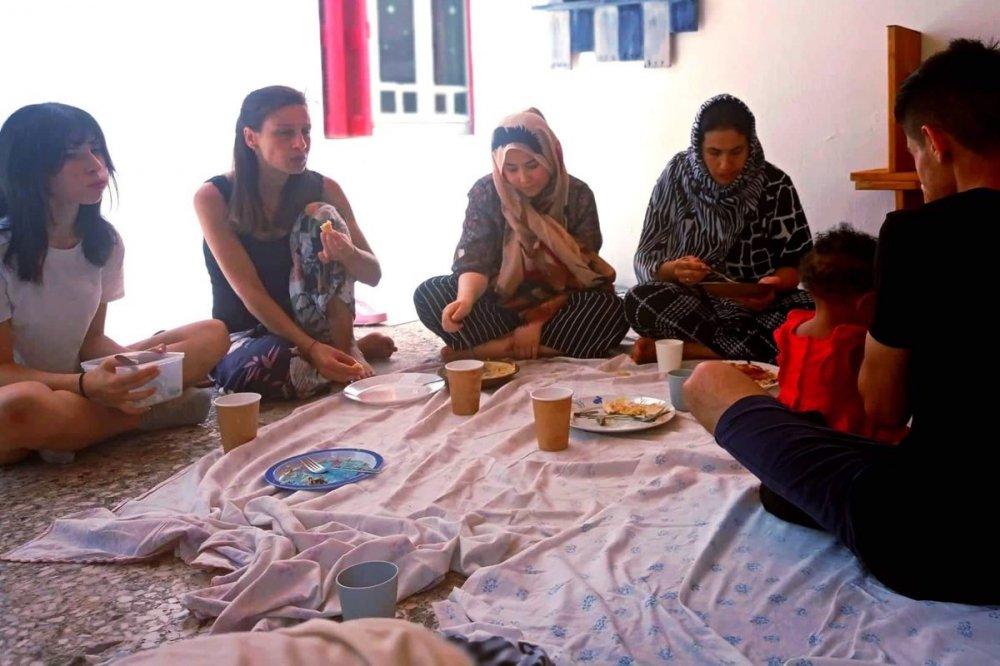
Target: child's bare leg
33 416
204 343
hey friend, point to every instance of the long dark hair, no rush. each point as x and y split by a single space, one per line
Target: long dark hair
34 141
246 210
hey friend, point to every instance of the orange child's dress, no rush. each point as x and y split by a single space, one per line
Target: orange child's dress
821 375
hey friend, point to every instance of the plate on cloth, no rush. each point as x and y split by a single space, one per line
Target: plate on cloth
619 413
765 374
737 289
397 388
291 473
495 373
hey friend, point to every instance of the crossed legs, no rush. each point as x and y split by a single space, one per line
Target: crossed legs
204 343
34 417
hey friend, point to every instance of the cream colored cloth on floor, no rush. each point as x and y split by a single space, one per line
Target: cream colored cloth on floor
368 642
457 493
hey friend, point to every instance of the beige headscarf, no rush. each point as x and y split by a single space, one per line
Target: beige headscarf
537 227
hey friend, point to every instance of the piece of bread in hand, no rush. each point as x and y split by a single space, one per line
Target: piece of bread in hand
326 226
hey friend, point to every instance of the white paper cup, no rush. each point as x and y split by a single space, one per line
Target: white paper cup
669 354
237 414
368 589
552 407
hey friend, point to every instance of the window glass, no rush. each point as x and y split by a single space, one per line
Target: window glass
449 42
396 48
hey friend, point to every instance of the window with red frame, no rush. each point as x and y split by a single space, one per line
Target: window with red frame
395 63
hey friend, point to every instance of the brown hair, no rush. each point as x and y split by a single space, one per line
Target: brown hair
841 264
246 210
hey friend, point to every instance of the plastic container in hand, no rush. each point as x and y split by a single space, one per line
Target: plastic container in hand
169 383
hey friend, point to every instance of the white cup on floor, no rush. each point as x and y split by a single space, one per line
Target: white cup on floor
669 354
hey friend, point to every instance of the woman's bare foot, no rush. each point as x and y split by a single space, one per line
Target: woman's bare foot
355 352
376 345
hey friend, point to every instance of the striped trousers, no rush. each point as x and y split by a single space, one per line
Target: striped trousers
587 326
669 310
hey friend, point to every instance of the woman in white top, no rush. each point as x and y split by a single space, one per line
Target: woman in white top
60 265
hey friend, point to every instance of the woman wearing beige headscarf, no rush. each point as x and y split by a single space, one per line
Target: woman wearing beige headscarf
526 280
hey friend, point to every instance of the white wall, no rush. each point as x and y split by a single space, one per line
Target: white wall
166 86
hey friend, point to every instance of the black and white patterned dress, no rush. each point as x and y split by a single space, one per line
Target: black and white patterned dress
587 326
747 230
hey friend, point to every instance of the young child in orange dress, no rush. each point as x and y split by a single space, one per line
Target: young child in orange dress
820 353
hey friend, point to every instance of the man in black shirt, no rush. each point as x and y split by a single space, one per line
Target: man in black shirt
919 515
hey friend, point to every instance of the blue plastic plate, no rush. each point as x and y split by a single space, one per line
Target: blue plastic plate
291 474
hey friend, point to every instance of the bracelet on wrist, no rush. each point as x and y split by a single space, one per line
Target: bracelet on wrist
83 392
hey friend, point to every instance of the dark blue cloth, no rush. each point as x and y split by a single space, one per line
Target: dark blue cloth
259 363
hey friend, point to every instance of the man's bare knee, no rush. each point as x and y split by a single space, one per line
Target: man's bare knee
713 388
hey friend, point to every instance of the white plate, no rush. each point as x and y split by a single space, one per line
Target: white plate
397 388
617 425
767 386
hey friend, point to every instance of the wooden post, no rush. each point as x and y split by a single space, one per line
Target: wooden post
904 57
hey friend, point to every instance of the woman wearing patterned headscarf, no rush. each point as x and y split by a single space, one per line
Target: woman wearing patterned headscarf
526 280
719 211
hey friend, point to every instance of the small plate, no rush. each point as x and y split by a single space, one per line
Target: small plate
495 373
618 425
737 289
291 474
765 383
397 388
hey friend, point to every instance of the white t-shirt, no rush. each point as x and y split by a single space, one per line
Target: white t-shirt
49 320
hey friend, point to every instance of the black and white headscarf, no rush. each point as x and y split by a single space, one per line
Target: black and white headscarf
689 213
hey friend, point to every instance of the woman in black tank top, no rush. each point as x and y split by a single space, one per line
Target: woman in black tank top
282 278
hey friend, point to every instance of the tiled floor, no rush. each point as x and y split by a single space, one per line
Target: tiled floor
83 614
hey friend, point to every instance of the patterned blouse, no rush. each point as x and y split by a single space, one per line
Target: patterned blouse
480 249
746 229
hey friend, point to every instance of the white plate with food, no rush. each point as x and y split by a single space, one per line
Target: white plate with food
398 388
619 413
765 374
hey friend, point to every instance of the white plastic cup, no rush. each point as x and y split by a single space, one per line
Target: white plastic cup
169 383
237 414
368 589
675 381
669 354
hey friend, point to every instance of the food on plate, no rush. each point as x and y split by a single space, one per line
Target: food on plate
497 369
764 377
625 407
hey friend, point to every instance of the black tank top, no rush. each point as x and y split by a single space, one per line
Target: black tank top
271 258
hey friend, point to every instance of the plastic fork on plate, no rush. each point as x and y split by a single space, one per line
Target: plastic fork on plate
317 468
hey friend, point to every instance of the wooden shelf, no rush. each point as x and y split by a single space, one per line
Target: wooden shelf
904 56
883 179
